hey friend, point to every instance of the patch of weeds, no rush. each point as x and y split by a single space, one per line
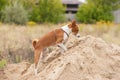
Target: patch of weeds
3 63
17 58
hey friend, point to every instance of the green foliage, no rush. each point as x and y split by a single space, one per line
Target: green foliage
86 14
14 13
35 15
3 62
48 11
2 5
17 58
41 11
28 4
96 10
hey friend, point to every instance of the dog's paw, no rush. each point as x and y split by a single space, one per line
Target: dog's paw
35 72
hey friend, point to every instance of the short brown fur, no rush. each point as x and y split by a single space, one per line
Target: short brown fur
51 38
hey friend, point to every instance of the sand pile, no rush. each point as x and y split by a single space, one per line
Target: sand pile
88 58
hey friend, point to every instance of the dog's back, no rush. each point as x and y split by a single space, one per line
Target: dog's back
51 38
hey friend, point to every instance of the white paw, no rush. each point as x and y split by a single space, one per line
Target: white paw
35 72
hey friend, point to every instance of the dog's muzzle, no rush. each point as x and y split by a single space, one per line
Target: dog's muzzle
78 35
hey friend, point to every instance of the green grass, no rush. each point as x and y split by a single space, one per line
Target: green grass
3 63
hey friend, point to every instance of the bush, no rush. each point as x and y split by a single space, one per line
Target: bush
85 13
2 5
34 14
14 13
92 12
48 11
3 63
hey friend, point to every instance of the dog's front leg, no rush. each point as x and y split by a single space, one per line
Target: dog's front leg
63 48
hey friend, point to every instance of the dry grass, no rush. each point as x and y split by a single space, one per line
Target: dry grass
109 32
15 41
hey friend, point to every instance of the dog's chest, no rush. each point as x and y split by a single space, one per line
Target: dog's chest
67 31
65 37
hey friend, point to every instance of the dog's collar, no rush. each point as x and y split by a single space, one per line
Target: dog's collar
66 33
66 29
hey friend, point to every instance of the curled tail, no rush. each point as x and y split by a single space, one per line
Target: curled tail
34 42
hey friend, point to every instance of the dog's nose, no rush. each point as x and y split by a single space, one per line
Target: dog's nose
78 35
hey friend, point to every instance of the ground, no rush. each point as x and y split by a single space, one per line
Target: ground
87 58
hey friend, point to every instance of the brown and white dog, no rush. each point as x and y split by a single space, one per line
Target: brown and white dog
55 37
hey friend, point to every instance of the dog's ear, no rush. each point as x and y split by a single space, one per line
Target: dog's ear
73 23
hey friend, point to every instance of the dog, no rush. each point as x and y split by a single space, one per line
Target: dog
54 37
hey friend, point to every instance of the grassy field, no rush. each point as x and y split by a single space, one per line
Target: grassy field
108 31
15 40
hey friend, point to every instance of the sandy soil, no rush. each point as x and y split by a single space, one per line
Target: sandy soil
87 58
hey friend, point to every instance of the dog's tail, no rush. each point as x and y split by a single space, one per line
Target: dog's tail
34 42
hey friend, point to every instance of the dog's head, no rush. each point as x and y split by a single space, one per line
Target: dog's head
74 28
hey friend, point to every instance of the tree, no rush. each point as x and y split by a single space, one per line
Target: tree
48 11
96 10
14 13
2 5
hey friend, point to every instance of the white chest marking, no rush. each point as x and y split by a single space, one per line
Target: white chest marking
66 30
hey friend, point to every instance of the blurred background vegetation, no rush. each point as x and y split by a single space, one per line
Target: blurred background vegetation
97 10
52 11
22 11
23 20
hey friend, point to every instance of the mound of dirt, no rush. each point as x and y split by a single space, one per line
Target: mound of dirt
87 58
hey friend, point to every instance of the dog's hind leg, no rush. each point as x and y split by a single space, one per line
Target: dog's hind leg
37 57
